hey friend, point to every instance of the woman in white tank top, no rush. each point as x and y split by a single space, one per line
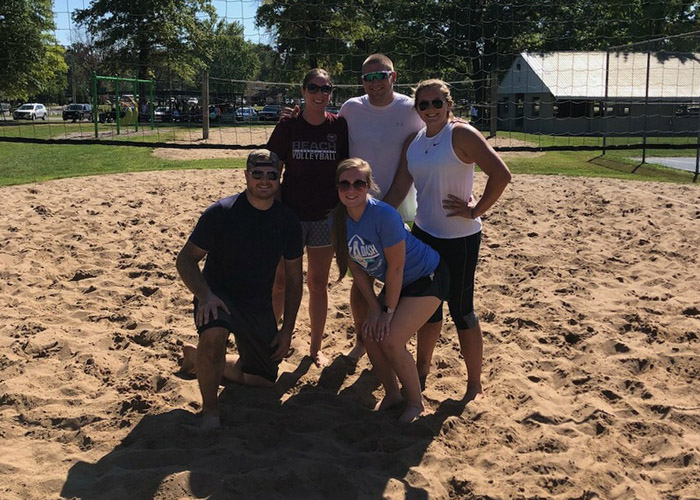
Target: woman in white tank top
440 160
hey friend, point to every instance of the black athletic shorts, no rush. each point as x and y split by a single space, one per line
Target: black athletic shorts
437 284
460 255
253 329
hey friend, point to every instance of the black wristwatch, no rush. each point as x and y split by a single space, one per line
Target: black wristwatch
389 310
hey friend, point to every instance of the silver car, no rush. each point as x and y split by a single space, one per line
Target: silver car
31 111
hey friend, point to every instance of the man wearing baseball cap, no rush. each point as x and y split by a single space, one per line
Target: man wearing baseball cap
243 237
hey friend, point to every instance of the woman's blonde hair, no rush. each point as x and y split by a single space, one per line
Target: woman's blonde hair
433 83
340 213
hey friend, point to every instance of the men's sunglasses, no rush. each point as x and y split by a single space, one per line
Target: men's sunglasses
258 174
376 75
437 104
313 88
357 184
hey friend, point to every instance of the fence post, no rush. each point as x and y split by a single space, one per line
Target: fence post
205 105
646 107
604 111
493 125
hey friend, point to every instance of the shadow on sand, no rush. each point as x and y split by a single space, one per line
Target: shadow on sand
290 441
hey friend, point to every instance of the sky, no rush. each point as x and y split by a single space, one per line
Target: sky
242 11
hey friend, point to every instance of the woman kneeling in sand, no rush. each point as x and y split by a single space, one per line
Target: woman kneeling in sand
370 238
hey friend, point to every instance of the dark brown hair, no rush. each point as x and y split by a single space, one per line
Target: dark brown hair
313 73
339 232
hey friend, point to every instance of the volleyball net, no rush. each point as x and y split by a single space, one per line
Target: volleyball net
536 76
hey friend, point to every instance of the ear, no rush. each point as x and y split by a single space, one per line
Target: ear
393 77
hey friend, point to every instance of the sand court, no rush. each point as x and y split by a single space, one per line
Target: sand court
589 295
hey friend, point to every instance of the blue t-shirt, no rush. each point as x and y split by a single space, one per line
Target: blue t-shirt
244 246
379 227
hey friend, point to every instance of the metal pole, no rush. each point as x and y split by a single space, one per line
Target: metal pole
94 102
604 111
205 105
646 106
150 105
136 99
493 122
697 154
116 98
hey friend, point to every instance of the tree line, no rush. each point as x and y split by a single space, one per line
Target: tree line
176 40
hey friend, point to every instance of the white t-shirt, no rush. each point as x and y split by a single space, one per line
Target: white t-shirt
437 171
377 134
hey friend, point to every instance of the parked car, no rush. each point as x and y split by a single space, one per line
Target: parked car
246 114
334 110
271 112
4 108
31 111
77 112
163 114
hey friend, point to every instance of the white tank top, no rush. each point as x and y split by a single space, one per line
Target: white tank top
437 172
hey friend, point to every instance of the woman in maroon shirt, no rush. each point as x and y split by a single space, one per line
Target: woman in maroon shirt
311 145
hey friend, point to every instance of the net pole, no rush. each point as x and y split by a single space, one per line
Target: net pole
136 98
646 106
205 105
94 102
116 98
697 154
604 113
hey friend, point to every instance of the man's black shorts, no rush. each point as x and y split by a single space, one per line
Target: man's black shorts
254 329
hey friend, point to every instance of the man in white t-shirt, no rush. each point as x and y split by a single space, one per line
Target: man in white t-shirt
378 124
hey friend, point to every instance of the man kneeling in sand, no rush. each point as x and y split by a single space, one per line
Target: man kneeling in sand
243 238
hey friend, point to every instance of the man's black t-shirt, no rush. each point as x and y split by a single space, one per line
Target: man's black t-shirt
244 246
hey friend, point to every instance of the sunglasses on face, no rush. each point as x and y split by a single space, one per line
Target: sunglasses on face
258 174
313 88
358 184
437 104
376 75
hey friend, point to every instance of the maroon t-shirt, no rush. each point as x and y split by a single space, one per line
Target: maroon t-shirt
311 154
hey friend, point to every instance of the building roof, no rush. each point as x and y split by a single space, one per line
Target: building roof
582 75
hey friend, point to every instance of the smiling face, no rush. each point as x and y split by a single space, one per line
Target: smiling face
264 188
432 116
353 189
380 92
316 101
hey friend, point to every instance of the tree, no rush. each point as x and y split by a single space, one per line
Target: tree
31 61
151 37
232 57
313 33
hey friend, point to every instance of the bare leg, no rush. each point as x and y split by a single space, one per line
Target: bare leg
411 313
428 336
209 365
319 264
385 373
189 357
472 346
278 291
358 307
232 370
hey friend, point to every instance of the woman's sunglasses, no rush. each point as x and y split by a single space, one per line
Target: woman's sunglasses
376 75
437 104
258 174
313 88
358 184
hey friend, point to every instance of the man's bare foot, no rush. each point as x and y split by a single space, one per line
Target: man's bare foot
356 353
189 354
388 403
320 359
411 413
